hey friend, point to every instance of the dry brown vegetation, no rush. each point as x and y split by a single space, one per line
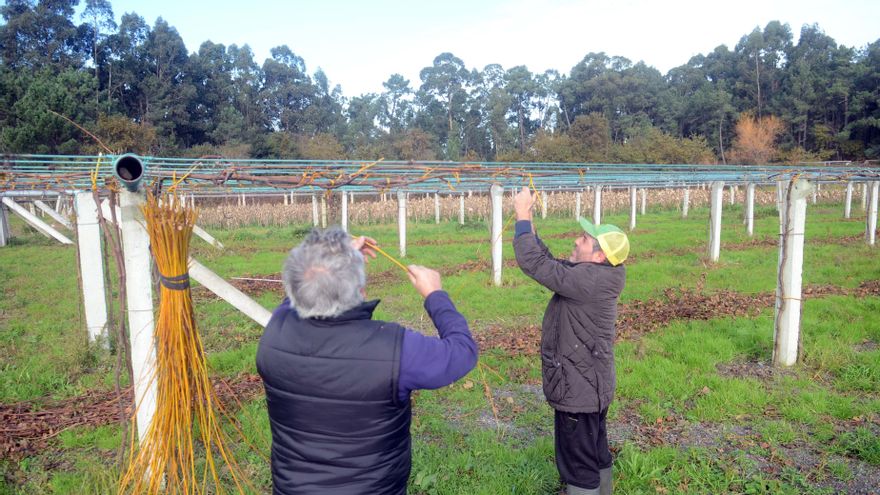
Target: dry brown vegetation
369 209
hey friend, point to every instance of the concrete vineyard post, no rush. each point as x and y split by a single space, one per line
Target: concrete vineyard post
91 266
786 333
716 194
497 194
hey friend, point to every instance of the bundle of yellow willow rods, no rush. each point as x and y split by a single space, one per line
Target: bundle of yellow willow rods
169 460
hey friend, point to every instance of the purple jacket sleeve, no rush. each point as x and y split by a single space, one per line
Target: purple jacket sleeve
432 362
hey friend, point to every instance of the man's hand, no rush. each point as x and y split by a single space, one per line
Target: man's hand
523 203
363 244
424 279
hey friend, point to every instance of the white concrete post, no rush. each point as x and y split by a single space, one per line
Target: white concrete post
544 205
4 227
750 209
633 204
243 202
291 197
685 202
732 192
401 222
786 332
780 195
864 196
286 200
54 214
644 199
497 194
461 209
436 207
200 232
41 226
58 203
343 213
91 266
139 299
871 224
228 293
314 210
577 205
323 211
351 198
715 221
815 193
847 202
597 205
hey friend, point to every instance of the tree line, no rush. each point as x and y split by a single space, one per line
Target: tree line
137 88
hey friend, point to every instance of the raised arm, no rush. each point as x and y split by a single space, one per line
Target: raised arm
433 362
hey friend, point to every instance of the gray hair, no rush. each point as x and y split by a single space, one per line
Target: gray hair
324 276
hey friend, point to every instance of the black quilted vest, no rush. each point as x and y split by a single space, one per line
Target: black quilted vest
338 426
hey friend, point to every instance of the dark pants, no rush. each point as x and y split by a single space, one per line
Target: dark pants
581 447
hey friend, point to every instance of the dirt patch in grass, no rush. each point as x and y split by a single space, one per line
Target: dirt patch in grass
638 317
28 427
727 441
760 370
252 285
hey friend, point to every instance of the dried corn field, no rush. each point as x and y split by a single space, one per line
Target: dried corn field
382 208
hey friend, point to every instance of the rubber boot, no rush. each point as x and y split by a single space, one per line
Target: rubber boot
605 481
576 490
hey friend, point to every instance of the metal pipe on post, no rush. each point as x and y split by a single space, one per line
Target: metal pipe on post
750 209
786 334
497 194
91 266
597 204
871 219
633 203
138 288
401 222
847 202
715 221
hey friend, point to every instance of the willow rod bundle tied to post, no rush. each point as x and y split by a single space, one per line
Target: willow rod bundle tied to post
169 459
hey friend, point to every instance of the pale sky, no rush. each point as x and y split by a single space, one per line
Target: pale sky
360 43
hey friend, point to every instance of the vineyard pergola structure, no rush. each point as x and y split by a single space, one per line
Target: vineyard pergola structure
87 181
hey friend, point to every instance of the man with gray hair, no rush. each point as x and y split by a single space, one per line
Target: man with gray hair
338 383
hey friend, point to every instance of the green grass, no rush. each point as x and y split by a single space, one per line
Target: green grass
739 424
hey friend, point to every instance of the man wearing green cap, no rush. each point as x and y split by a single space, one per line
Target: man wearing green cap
577 341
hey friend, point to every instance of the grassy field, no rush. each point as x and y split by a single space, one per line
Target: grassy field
698 408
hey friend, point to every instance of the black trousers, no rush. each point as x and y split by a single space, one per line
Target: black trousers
581 447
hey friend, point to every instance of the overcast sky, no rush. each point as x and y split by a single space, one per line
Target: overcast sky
360 43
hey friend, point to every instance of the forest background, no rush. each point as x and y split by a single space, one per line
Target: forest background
138 88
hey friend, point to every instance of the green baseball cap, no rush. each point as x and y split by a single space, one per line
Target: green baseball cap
612 240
